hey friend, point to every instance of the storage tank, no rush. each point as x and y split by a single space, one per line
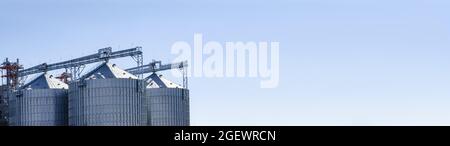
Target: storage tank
3 106
41 102
107 96
168 102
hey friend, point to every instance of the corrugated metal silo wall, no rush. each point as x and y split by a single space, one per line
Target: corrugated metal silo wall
38 107
107 102
3 106
168 106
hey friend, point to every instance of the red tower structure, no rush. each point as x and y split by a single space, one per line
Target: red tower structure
12 73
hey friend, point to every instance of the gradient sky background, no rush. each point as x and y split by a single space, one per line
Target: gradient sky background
346 62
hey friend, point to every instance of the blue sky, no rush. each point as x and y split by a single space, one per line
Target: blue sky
347 62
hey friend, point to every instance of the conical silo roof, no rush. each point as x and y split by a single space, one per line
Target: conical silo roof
45 81
157 81
108 71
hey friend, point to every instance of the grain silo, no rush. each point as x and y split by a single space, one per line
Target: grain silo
107 96
41 102
3 106
168 102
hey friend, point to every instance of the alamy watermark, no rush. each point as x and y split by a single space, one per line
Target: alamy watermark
232 59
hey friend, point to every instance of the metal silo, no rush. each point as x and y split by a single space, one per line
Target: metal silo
168 102
3 106
41 102
107 96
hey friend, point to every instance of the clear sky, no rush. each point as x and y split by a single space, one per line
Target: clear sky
346 62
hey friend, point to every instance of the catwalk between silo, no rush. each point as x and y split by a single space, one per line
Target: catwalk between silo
107 96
